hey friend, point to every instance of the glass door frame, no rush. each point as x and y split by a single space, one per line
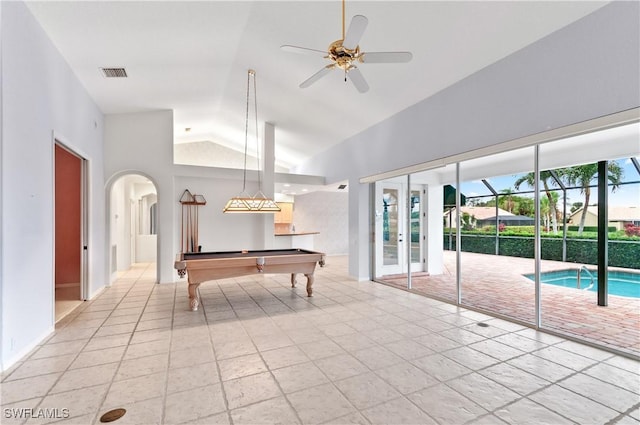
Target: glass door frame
404 245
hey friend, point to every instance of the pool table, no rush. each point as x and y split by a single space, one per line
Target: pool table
203 266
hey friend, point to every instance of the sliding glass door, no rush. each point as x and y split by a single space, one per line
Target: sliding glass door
545 235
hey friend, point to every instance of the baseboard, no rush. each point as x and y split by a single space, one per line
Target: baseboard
5 365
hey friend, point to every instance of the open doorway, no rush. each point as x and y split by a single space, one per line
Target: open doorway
70 222
133 223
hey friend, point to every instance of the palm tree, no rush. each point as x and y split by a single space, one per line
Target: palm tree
530 180
507 200
545 213
583 175
525 206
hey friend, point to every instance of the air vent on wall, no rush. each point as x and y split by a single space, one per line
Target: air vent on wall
114 72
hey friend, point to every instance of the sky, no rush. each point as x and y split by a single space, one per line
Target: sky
625 195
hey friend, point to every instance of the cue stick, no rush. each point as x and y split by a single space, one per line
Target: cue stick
197 241
191 228
197 230
193 224
188 229
182 230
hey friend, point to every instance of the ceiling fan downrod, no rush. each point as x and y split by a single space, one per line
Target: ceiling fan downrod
343 12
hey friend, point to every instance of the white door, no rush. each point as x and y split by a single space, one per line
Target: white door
389 229
392 230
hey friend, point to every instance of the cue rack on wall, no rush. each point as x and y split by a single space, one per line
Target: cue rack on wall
189 231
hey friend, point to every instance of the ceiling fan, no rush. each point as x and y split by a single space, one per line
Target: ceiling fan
345 54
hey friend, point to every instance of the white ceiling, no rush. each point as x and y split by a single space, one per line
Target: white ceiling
193 57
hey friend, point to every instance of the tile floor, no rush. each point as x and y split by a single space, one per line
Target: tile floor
496 283
258 352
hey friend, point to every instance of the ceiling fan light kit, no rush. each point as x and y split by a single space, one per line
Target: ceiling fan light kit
345 54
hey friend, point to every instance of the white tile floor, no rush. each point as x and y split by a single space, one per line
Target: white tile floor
258 352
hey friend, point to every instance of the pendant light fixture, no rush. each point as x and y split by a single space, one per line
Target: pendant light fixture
258 203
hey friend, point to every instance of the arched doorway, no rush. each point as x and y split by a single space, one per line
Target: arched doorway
132 219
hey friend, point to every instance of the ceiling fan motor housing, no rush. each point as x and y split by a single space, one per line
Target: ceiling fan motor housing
342 56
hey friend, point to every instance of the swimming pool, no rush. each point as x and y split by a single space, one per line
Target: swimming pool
624 284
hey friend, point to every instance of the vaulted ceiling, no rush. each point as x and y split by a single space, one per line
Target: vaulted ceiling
193 57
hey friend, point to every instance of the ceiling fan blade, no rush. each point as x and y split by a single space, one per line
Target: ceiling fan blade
315 77
302 50
358 80
386 57
354 33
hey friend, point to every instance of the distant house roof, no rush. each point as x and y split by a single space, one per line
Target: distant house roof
509 218
482 213
615 213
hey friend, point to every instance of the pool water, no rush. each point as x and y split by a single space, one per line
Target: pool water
624 284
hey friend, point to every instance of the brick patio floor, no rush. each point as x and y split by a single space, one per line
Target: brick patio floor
496 284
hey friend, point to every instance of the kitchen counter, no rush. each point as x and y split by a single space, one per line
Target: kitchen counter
302 240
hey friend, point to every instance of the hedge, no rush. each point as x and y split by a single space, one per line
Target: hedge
589 228
621 253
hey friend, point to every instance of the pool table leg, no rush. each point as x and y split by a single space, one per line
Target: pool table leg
193 296
309 284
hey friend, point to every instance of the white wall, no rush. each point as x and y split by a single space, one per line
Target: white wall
119 229
586 70
218 231
40 97
142 143
1 202
327 213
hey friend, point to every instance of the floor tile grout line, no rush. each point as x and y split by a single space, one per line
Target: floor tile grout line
505 361
551 384
330 381
221 381
284 394
401 395
624 414
532 352
548 345
333 383
44 396
370 370
113 378
166 379
213 348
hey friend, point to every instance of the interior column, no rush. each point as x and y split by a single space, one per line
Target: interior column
268 159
